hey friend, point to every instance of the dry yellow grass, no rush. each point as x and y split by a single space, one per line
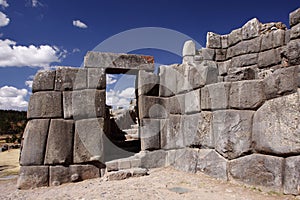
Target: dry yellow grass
9 162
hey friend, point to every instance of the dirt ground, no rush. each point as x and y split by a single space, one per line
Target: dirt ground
9 163
162 183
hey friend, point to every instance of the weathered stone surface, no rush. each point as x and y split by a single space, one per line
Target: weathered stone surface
118 175
45 105
192 101
267 41
33 177
224 41
215 96
258 170
221 54
240 74
251 29
276 126
278 38
244 47
68 104
244 60
232 132
59 175
246 94
88 142
68 78
295 31
292 175
88 103
153 107
34 144
295 17
189 48
84 172
213 40
60 142
282 81
223 67
177 104
182 73
287 37
234 37
150 134
96 78
153 159
171 132
168 83
43 80
124 163
268 58
212 164
293 52
183 159
118 61
148 83
207 54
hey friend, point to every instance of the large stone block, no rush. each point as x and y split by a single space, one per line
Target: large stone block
96 78
241 74
206 54
212 164
224 41
244 47
192 101
182 73
273 39
150 134
268 58
251 29
34 144
118 62
45 105
213 41
153 159
68 78
60 142
43 81
171 135
292 175
88 141
221 54
223 67
295 17
279 38
215 96
177 104
293 52
276 124
258 169
183 159
189 48
246 94
295 32
153 107
267 41
168 82
234 37
88 103
282 81
148 83
244 60
68 104
232 132
33 177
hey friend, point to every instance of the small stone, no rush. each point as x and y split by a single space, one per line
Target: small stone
291 183
224 41
74 177
213 41
221 54
223 67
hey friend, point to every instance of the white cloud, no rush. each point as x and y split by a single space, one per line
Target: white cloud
36 3
4 3
79 24
120 99
4 20
128 93
29 83
12 98
76 50
110 79
12 55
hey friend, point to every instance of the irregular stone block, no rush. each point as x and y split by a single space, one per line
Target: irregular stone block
240 74
88 142
118 175
223 67
118 62
293 52
281 81
177 104
213 40
60 142
295 17
43 80
45 105
234 37
124 164
268 58
295 32
221 54
224 41
171 135
168 82
96 78
148 83
68 104
212 164
287 37
246 94
275 125
150 134
215 96
153 107
258 169
183 159
33 177
189 48
292 175
34 144
207 54
68 78
84 172
244 60
192 101
153 159
182 73
59 175
88 103
267 41
278 38
232 132
251 29
244 47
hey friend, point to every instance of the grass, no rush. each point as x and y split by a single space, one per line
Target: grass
9 163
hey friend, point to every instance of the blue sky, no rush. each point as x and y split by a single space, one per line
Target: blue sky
38 34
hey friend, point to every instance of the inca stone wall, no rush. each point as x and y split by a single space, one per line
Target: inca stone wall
230 110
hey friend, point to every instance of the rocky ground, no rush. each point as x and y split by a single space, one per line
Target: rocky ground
162 183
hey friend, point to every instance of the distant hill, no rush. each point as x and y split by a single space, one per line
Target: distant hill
12 122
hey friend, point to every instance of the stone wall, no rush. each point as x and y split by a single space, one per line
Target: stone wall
230 110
